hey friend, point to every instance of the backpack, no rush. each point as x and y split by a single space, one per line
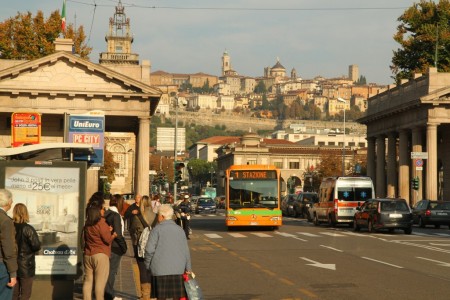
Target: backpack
142 243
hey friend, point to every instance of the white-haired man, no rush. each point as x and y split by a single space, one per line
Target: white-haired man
167 256
8 253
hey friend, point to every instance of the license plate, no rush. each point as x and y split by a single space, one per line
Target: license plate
442 214
253 223
395 215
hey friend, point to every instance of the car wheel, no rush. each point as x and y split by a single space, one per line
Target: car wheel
355 226
421 222
308 217
316 220
331 222
370 226
408 230
437 226
391 230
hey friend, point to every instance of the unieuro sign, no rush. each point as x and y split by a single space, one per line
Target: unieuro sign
88 129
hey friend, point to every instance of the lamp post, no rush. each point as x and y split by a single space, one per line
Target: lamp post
175 146
343 139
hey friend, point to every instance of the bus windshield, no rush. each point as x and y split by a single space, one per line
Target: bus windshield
253 193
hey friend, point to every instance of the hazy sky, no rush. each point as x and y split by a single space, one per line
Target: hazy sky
316 37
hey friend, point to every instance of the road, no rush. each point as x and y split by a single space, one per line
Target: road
302 261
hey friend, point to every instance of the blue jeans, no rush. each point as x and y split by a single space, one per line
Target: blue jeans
114 262
6 292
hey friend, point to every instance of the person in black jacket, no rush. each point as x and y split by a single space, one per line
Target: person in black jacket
118 246
185 211
27 245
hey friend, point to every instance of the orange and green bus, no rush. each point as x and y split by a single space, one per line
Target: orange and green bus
253 195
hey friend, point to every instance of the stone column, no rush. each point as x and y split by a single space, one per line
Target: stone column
380 188
431 178
392 165
371 158
404 163
417 147
141 181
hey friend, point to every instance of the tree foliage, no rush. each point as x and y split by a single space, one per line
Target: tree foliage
109 166
30 37
330 164
424 31
200 170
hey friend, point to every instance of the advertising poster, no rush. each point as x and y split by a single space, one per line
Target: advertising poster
88 129
52 196
25 128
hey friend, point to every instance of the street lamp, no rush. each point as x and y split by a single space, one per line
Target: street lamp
175 146
343 139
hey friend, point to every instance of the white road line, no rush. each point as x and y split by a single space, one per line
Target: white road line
382 262
331 248
261 234
285 234
237 235
308 234
331 234
421 234
213 236
443 234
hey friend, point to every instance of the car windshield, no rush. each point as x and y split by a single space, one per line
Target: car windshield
205 201
354 193
394 206
253 193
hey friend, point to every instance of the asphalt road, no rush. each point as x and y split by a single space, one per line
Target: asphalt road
302 261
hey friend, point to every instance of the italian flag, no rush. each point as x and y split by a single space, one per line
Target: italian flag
63 17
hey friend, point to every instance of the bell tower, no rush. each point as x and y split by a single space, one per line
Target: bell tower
119 40
226 63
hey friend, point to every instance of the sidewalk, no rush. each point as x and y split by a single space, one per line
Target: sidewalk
125 284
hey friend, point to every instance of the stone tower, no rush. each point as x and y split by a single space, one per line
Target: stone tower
226 63
353 72
119 40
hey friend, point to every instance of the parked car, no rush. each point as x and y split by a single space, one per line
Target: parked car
388 213
302 204
205 205
431 212
287 204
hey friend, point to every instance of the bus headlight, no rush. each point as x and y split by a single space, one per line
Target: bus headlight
275 219
231 218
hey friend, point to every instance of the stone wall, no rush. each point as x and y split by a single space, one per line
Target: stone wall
243 122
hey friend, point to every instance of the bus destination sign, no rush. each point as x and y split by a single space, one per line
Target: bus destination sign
243 175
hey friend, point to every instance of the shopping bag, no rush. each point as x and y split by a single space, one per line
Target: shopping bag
193 290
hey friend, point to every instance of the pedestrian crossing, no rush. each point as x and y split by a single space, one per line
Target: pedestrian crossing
318 235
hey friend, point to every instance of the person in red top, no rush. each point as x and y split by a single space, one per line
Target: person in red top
97 250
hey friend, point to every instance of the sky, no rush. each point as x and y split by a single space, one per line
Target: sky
316 37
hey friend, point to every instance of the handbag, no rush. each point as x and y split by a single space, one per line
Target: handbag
193 290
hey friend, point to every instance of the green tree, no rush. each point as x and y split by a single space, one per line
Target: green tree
260 88
424 31
200 170
361 80
29 37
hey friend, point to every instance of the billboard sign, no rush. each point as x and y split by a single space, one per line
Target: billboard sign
25 128
88 129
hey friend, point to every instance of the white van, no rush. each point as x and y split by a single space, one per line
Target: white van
339 197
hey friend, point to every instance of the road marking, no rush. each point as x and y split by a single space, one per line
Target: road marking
443 234
319 265
285 234
259 234
308 234
331 248
437 244
440 263
213 235
331 234
423 246
382 262
236 235
421 234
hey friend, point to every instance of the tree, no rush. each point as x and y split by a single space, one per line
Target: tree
27 37
423 32
109 166
361 81
260 88
200 170
330 164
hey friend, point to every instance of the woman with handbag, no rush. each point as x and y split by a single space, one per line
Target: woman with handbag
118 246
139 216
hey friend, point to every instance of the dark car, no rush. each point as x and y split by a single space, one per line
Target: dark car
287 204
376 214
302 204
431 212
205 205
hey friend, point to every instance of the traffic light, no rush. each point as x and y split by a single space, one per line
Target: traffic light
178 172
415 183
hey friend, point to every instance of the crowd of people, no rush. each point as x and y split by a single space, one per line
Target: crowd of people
165 260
